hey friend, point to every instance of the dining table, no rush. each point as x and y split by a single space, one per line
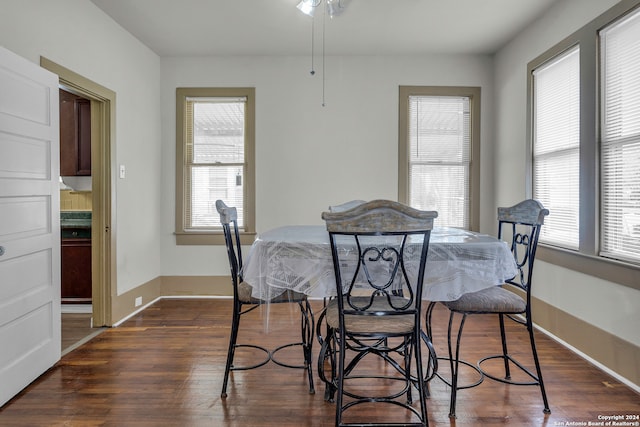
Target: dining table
298 258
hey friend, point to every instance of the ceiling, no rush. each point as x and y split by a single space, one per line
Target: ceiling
367 27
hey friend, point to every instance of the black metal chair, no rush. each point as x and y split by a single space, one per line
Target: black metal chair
379 251
243 303
519 226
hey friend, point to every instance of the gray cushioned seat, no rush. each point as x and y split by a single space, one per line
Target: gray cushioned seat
491 300
244 294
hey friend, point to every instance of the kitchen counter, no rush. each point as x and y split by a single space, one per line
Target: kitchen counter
75 224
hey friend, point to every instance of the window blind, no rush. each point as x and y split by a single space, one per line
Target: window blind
556 147
439 157
215 159
620 139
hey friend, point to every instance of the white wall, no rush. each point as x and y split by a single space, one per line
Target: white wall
80 37
609 306
309 156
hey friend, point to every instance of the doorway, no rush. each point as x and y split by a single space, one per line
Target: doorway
76 330
102 103
75 203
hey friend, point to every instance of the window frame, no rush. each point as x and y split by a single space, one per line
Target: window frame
214 236
586 259
473 93
560 151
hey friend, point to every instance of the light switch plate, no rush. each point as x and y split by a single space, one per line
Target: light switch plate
122 172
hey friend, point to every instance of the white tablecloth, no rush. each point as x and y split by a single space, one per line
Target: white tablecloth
299 258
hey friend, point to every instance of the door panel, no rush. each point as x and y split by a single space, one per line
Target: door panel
27 345
24 96
29 223
30 157
24 217
25 269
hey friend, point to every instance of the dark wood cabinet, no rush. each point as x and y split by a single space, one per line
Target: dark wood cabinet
76 270
75 135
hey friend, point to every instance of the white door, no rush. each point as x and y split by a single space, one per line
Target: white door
29 223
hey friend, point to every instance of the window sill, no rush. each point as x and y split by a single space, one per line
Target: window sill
603 268
210 238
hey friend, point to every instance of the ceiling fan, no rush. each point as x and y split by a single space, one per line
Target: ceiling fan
333 7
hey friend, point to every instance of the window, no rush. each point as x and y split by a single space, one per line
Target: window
556 146
594 221
620 139
215 146
438 148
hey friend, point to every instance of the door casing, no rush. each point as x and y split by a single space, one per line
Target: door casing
103 236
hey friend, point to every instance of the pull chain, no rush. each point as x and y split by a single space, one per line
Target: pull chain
325 12
313 71
323 52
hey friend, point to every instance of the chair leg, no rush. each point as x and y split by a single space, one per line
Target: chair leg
233 346
235 326
327 353
340 376
407 367
413 348
307 327
454 361
427 337
422 388
505 351
410 349
432 362
507 359
534 351
427 318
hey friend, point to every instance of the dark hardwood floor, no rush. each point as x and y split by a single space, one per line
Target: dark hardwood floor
164 367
